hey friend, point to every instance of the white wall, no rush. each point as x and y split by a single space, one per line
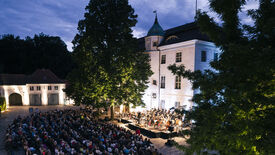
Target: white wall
210 49
19 89
24 91
191 59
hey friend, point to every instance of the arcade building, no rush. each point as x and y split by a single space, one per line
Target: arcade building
42 87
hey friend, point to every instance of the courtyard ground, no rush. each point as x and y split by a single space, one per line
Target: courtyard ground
12 112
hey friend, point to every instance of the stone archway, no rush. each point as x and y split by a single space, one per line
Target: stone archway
15 100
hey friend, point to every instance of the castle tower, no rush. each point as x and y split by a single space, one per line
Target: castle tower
154 36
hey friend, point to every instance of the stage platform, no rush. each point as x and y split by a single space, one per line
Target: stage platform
125 121
153 133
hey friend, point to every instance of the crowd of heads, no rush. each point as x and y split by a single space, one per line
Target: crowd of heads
75 132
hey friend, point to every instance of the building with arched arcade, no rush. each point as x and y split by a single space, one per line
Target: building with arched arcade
42 87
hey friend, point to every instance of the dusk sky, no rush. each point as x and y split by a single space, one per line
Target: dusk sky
60 17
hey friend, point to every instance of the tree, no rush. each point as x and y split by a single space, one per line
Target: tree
110 69
235 111
24 56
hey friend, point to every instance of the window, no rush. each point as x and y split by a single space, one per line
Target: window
154 82
55 87
49 87
178 57
163 59
177 104
162 104
148 44
154 95
31 88
38 88
155 44
203 56
216 56
162 82
178 82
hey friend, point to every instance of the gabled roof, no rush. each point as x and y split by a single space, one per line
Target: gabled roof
178 34
41 76
13 79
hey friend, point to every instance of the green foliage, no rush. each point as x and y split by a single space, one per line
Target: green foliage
235 111
24 56
3 105
110 69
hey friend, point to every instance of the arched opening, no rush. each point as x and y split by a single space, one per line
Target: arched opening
15 100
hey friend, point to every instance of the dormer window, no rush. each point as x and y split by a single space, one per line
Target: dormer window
155 44
173 37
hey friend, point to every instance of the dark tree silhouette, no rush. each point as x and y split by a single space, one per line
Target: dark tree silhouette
24 56
235 110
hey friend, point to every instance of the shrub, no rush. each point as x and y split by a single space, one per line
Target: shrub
3 105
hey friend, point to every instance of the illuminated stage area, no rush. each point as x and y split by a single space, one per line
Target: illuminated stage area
155 123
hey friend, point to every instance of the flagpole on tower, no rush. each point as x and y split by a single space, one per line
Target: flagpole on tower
155 12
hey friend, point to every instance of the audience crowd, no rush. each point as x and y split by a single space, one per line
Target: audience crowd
75 132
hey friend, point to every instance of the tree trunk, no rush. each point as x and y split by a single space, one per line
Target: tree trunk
112 112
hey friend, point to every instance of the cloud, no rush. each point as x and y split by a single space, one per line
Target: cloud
139 32
69 46
60 17
29 17
243 15
170 13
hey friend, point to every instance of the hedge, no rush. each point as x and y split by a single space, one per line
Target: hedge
3 104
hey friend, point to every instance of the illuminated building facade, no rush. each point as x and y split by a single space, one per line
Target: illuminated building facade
182 45
40 88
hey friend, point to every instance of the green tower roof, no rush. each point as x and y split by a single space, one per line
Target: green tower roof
156 29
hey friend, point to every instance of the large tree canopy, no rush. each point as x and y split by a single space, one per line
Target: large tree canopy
109 66
235 108
24 56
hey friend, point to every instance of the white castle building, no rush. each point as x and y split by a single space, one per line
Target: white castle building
182 45
40 88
